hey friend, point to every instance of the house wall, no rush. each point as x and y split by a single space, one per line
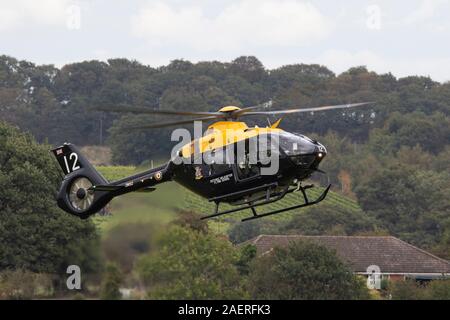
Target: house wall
374 282
396 277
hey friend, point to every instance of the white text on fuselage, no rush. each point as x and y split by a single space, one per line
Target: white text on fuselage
221 179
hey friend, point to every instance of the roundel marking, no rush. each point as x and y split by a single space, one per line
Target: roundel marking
158 175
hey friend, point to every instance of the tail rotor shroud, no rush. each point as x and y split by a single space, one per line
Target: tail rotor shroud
80 197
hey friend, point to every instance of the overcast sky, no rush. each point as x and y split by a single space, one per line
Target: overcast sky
405 37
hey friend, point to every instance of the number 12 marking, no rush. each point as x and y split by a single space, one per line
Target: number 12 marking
75 167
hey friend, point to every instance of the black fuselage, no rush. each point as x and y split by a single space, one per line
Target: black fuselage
233 179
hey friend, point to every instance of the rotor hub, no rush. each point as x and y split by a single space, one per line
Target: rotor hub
81 193
229 109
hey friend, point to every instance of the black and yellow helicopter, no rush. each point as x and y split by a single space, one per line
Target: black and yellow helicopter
236 180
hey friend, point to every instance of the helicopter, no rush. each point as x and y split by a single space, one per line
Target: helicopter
238 179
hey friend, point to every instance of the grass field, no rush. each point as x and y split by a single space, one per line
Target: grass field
158 207
162 205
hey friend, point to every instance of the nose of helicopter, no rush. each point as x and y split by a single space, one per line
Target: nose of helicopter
303 151
320 151
312 158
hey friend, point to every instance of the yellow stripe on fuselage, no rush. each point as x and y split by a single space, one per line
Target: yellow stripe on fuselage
223 133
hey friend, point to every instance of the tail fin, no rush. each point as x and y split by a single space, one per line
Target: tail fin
75 194
72 161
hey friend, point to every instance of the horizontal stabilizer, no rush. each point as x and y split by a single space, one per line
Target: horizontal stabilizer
105 188
116 188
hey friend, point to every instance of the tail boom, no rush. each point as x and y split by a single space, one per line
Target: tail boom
84 191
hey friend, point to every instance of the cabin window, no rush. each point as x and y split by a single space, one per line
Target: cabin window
218 169
245 168
216 161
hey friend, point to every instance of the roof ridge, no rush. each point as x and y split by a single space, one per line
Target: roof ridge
423 251
254 239
257 238
248 241
319 236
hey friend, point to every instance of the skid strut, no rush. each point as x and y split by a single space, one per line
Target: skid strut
266 199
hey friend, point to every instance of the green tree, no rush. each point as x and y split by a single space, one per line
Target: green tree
249 68
17 285
331 220
439 290
111 282
247 254
441 161
413 290
240 232
129 146
430 132
406 290
189 219
310 77
34 234
442 248
410 204
304 270
124 242
191 265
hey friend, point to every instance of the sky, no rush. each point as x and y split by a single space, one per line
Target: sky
402 37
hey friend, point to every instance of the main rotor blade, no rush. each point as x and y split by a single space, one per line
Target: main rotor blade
323 108
169 124
238 113
143 110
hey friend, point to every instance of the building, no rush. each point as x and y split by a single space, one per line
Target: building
372 256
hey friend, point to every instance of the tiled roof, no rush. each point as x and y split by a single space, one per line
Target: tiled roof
392 255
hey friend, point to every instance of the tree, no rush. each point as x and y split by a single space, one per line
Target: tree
240 232
304 270
34 234
247 255
249 68
111 283
439 290
24 285
430 132
332 220
406 290
442 248
124 242
410 204
189 219
412 290
342 156
130 146
191 265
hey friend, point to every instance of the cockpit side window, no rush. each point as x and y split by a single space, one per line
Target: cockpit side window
293 144
218 162
245 165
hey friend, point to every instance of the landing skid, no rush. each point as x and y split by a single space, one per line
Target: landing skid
269 197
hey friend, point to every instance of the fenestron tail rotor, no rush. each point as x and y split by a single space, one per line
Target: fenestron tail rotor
225 113
80 196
